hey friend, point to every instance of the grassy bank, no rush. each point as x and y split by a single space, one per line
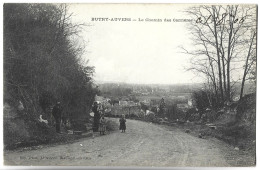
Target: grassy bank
21 130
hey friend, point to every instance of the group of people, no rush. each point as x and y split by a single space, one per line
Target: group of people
99 123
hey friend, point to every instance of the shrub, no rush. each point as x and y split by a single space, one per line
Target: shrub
112 125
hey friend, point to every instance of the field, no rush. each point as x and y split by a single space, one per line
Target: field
173 98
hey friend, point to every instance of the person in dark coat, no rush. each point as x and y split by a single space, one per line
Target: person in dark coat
95 109
122 121
56 112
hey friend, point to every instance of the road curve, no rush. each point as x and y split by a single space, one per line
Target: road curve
143 144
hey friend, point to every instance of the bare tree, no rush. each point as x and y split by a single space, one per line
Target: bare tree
248 64
221 35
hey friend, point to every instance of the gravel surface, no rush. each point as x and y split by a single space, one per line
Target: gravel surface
143 144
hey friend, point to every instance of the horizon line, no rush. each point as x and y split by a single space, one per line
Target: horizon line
121 82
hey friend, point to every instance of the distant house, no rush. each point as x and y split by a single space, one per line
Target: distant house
183 106
99 98
146 102
131 103
103 100
181 97
127 103
123 103
190 103
148 112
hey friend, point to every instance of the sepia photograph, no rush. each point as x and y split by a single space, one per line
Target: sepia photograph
129 85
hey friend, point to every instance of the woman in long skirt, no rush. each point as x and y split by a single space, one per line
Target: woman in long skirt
122 121
102 125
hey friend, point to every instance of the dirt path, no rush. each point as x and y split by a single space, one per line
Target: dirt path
143 144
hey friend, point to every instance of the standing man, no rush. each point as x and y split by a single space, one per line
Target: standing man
95 109
162 107
56 112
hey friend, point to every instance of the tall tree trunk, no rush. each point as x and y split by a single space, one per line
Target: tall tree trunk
224 75
246 67
213 78
218 55
214 84
231 22
223 63
228 80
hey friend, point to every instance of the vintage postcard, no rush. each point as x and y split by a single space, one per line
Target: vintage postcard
129 85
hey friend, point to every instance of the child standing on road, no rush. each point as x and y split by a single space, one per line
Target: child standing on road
122 121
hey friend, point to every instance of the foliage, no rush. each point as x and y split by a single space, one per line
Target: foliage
42 64
246 109
202 99
144 107
111 125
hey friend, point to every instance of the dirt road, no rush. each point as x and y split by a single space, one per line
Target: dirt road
143 144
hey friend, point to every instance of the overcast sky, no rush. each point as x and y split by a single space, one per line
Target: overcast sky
136 52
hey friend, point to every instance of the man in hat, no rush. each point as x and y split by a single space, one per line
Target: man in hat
56 112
